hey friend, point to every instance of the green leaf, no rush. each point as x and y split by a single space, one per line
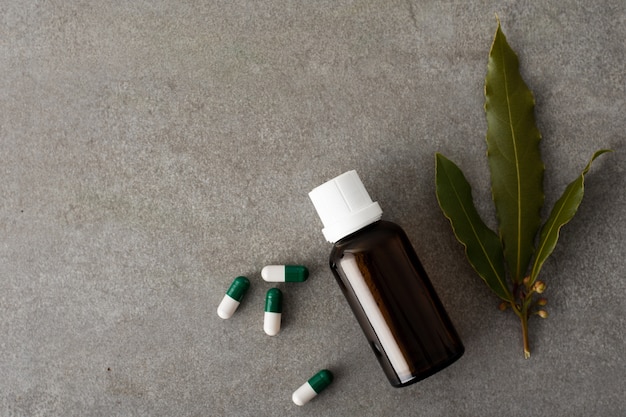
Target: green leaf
514 157
482 246
562 212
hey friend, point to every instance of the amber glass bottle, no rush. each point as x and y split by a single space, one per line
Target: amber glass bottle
385 284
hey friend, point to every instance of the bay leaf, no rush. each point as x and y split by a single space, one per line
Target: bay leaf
482 245
563 211
514 157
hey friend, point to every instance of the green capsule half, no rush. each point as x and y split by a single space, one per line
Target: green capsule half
296 273
238 288
274 301
321 380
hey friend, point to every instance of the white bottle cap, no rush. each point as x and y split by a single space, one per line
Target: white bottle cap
344 206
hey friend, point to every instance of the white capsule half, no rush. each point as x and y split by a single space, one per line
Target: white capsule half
273 273
304 394
227 307
271 323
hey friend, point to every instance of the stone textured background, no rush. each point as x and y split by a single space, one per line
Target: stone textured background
151 151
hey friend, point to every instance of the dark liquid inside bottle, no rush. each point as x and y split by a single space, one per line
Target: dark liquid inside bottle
395 303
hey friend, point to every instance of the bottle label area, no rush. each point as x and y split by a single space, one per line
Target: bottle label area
389 345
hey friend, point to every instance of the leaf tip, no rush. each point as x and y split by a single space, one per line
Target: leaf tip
440 159
601 151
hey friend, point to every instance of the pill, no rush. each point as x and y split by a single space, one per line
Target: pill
233 297
285 273
312 387
273 311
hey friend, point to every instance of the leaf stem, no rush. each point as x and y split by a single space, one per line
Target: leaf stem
521 310
524 318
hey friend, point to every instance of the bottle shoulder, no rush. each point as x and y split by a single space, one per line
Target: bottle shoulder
375 234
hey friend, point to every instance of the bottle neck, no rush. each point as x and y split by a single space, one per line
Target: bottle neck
364 229
350 226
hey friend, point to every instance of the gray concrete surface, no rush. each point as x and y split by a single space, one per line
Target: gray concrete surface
151 151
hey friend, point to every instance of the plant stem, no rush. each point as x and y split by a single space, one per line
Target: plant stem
524 318
521 311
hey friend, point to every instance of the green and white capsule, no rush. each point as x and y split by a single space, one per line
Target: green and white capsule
312 387
233 297
285 273
273 311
